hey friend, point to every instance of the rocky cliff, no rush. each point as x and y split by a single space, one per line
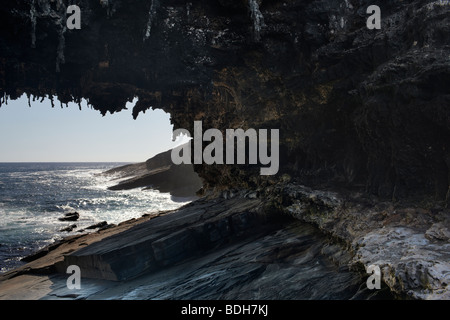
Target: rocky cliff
355 107
363 113
158 173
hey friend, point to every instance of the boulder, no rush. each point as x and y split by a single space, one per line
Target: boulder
69 228
71 216
97 225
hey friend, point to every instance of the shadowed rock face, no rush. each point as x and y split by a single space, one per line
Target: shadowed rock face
158 173
355 107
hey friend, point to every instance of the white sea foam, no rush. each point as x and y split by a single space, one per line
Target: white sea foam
38 194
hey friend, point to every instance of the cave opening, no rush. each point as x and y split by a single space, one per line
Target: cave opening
43 132
66 168
134 152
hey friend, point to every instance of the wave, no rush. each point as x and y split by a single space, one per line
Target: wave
37 195
65 208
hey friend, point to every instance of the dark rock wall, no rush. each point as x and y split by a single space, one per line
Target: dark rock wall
355 107
158 173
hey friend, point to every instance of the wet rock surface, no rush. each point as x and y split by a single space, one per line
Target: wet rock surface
69 228
243 244
170 239
285 264
70 216
98 225
291 260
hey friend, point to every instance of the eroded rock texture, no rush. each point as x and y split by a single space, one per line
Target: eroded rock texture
354 106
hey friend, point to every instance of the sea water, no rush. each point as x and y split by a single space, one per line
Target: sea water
34 195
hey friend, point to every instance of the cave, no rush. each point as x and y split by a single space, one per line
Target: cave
360 111
355 107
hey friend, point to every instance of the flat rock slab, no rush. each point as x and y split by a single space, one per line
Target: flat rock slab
295 255
167 239
45 260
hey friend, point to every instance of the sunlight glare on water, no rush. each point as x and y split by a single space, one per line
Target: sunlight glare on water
34 196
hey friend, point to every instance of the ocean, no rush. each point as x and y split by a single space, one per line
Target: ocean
34 195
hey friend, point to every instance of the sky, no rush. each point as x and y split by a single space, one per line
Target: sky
45 134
